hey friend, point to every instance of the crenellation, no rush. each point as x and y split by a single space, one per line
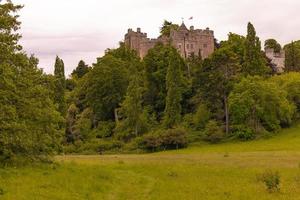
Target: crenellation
188 41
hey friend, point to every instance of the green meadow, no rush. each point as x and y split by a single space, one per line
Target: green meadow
202 171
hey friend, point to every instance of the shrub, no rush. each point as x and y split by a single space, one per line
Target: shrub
151 142
213 132
201 117
271 180
243 132
170 139
104 129
174 138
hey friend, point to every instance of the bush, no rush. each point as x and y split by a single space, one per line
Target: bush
271 180
104 129
243 133
213 132
170 139
174 138
151 142
93 146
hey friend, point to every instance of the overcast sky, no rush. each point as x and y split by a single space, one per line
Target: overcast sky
83 29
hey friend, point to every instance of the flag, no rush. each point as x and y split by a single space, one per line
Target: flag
191 18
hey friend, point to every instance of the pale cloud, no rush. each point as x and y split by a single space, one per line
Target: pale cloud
80 29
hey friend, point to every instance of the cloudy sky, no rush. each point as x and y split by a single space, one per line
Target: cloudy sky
83 29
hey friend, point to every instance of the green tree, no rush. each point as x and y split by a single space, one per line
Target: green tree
219 74
172 113
254 61
60 85
80 70
29 122
105 87
156 63
131 108
166 28
260 105
292 56
273 44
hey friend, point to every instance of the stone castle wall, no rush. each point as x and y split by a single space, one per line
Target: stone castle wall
277 59
188 41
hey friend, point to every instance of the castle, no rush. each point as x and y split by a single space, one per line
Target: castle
189 42
277 59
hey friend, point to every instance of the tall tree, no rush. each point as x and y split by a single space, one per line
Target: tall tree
166 28
60 85
131 107
105 87
80 70
254 62
28 118
292 56
219 74
172 113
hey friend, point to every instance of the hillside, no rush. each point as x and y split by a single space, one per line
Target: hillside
202 171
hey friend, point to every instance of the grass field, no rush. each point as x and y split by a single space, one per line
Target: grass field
202 171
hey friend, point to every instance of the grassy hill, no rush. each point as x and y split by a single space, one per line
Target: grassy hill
202 171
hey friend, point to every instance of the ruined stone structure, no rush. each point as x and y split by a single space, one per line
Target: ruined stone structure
277 59
188 41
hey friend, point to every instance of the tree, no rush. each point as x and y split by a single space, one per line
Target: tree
29 122
292 56
156 63
105 87
166 28
60 85
273 44
80 70
172 113
219 73
254 62
260 105
131 108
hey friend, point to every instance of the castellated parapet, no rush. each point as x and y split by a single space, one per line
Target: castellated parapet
188 41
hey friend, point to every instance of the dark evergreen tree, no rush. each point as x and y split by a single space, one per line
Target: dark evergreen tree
254 62
80 70
134 122
60 85
292 56
219 73
172 113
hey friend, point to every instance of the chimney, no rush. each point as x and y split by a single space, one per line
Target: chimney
191 28
138 30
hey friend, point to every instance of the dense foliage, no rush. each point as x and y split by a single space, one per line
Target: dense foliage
124 103
29 121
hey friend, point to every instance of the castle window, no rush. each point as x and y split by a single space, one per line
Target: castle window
179 45
188 46
192 46
205 45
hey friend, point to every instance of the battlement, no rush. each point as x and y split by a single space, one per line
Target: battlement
189 42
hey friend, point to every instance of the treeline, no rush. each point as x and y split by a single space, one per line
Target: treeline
123 103
165 102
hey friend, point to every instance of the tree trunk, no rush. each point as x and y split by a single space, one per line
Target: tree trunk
226 114
116 116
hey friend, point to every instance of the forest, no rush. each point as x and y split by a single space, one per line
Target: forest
124 104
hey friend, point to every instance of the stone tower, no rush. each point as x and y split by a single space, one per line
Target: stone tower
188 41
277 59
